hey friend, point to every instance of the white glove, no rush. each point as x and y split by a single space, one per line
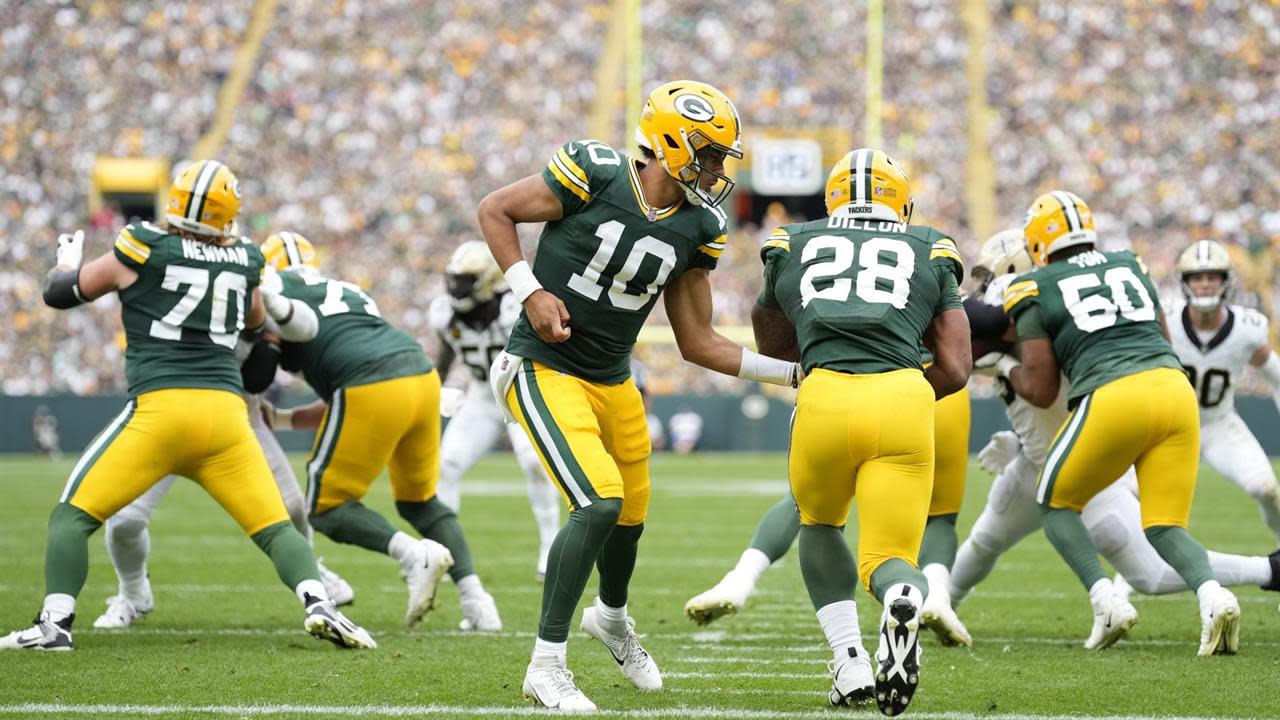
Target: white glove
450 399
70 250
276 418
995 364
501 375
1000 451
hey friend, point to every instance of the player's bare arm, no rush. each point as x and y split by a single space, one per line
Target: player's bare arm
307 417
947 337
525 201
775 335
68 286
1037 378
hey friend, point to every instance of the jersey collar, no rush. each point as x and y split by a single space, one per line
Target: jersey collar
1219 338
645 208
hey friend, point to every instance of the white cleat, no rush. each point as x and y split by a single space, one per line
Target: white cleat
553 688
852 682
726 598
1113 615
44 634
326 622
1220 624
479 613
634 662
938 616
428 563
898 656
339 590
121 612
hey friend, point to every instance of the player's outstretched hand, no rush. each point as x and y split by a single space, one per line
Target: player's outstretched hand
548 315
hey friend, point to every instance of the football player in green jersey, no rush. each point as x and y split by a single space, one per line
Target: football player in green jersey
1097 317
186 290
379 408
857 295
619 231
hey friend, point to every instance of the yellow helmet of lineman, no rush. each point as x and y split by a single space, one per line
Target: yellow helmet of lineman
204 199
872 185
1002 254
286 249
1205 256
472 276
682 119
1057 220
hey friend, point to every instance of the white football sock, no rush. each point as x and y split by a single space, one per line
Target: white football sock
544 501
613 619
129 552
547 653
1240 570
470 585
1101 589
839 621
1207 590
58 606
939 578
402 546
314 588
751 565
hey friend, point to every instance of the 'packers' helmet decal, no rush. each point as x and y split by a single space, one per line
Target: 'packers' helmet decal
1205 256
286 249
472 276
204 199
682 120
1057 220
1004 253
873 186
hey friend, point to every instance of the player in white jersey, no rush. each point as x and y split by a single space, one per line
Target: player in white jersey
1112 517
474 324
127 537
1214 341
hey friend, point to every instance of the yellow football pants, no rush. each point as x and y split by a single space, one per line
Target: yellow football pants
869 438
592 439
200 434
1149 420
951 452
393 424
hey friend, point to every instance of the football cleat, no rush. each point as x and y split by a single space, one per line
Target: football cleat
44 634
552 687
480 613
634 662
898 656
428 563
852 682
1274 559
121 612
726 598
339 590
326 622
1220 624
1113 615
938 616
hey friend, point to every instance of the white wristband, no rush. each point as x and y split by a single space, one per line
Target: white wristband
1006 364
281 419
521 281
766 369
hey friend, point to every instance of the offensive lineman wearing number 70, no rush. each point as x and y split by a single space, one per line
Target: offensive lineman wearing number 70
619 230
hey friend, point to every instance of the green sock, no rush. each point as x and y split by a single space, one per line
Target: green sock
354 524
66 552
940 541
616 562
437 521
569 564
777 529
289 552
830 574
1069 536
1180 550
894 571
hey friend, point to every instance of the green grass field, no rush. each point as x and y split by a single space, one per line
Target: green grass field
226 639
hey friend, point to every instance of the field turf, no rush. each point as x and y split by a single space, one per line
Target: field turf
226 638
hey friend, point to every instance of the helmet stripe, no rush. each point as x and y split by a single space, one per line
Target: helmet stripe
201 189
291 249
861 189
1068 210
1202 248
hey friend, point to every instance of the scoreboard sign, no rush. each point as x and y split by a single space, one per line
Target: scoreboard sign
787 167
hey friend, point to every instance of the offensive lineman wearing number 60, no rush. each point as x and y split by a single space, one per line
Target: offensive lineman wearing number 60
619 230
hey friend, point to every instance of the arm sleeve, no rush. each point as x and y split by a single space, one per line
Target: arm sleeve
986 321
259 369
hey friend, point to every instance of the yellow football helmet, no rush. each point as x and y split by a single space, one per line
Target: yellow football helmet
204 199
286 249
472 276
1057 220
1002 254
682 119
1205 256
872 185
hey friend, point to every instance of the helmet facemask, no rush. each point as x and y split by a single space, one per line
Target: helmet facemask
462 291
702 150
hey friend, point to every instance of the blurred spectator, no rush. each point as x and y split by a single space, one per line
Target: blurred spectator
44 427
685 429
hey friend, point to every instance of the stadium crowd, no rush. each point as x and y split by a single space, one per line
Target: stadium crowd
374 128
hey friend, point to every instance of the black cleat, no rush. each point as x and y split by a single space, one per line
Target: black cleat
898 672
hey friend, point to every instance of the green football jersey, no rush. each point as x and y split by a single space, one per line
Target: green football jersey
860 293
354 345
608 258
1102 313
184 313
